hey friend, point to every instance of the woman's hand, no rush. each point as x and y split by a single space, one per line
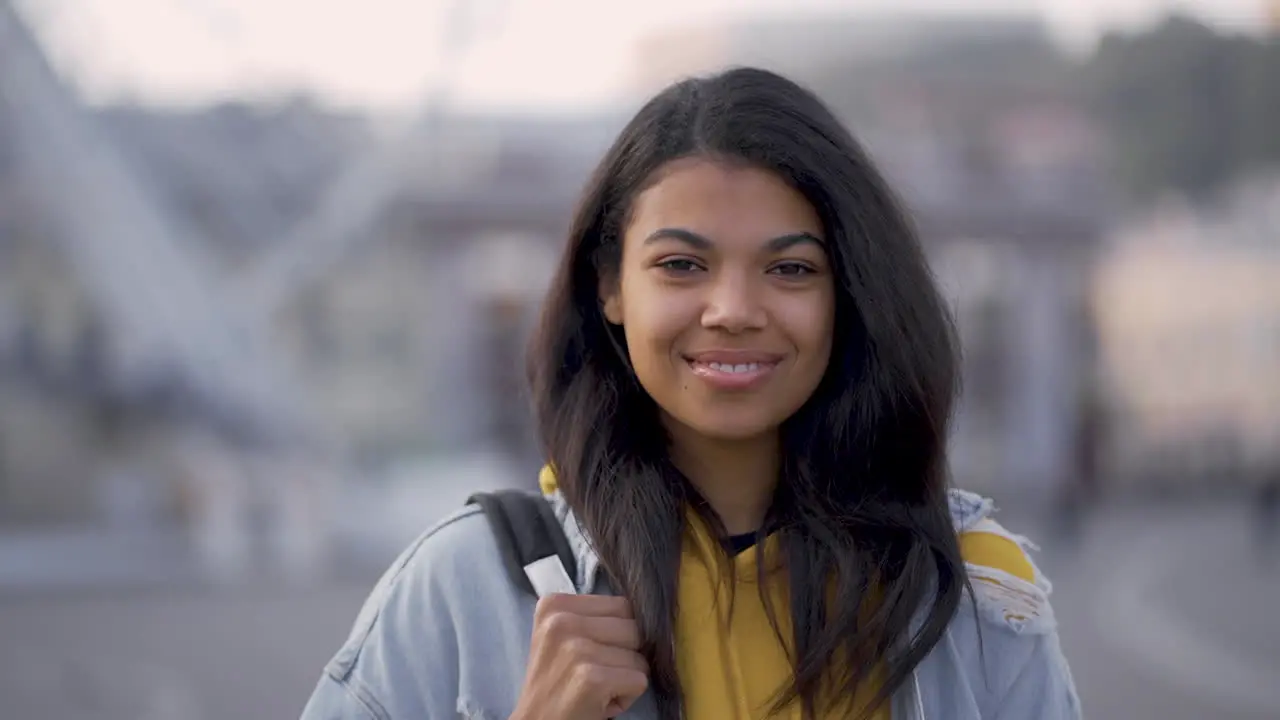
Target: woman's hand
584 660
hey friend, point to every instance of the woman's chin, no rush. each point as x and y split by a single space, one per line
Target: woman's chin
733 429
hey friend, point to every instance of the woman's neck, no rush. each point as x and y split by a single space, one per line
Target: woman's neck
737 478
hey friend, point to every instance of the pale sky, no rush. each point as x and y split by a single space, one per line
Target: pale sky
385 54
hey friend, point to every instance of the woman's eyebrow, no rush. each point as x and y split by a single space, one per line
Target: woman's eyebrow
701 242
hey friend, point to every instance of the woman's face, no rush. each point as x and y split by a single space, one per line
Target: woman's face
726 298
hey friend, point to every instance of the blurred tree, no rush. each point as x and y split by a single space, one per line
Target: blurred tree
1186 108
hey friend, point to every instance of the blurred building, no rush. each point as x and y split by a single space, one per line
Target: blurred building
1188 305
48 339
408 340
415 339
804 45
122 350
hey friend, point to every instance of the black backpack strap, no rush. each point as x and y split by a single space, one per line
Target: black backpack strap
527 531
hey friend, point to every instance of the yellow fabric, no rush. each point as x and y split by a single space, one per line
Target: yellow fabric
730 661
996 551
547 480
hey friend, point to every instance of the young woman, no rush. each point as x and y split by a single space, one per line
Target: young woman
743 376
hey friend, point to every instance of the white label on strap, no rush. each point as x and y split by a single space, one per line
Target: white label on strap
549 577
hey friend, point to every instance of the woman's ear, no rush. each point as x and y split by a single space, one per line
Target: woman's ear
610 299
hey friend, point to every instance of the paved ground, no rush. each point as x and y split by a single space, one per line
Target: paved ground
1166 613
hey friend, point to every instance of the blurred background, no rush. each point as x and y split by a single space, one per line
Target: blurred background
267 270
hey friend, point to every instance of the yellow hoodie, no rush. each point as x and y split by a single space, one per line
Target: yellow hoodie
732 666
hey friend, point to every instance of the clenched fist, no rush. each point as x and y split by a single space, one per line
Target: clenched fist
584 660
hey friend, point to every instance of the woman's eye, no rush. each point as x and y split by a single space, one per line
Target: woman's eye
679 265
792 269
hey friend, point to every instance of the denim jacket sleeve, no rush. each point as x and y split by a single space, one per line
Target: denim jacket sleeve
1000 660
1027 672
401 659
335 700
1007 640
1042 689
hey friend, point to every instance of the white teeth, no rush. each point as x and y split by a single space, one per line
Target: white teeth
742 368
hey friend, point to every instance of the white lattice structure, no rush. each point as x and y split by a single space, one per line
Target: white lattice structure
177 317
167 307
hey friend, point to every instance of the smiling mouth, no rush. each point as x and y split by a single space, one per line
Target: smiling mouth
736 369
723 375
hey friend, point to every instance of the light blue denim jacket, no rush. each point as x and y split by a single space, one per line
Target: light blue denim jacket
445 634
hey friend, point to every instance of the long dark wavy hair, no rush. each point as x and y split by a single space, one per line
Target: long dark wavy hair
871 556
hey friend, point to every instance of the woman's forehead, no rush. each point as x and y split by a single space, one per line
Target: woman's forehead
719 199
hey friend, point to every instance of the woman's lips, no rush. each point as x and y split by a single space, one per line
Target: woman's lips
733 369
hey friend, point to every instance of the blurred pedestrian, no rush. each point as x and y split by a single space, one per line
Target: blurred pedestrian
1267 516
1083 487
743 378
